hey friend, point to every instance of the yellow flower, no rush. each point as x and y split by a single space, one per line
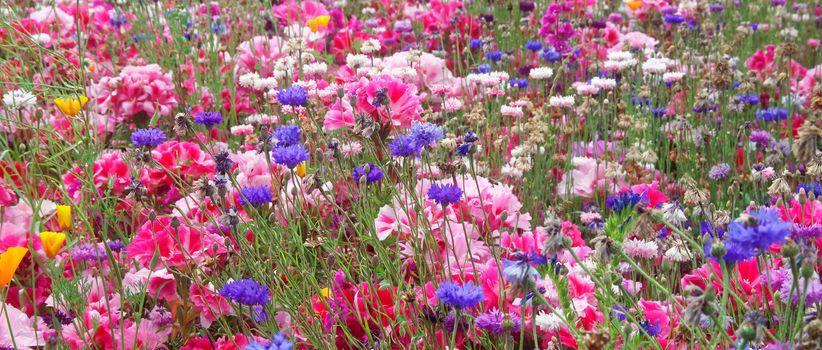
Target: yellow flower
633 5
317 22
325 292
9 261
64 216
52 242
300 169
70 106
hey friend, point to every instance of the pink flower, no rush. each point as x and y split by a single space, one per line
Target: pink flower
26 332
194 246
182 159
587 177
639 40
7 196
136 89
111 175
209 304
383 94
292 11
339 115
762 61
431 70
260 51
655 196
162 285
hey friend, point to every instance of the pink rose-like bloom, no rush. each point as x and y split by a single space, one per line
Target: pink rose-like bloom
260 51
162 285
183 159
194 246
588 177
7 196
209 304
431 70
639 40
339 115
136 89
111 175
400 98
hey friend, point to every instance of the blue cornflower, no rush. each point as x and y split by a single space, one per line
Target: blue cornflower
519 82
290 156
624 200
370 171
222 163
772 114
208 119
533 45
118 21
476 43
493 56
649 328
293 96
404 146
464 148
286 135
757 230
620 311
460 297
425 134
551 55
674 19
247 292
658 112
469 136
147 137
811 187
278 342
520 269
116 245
484 68
257 195
445 194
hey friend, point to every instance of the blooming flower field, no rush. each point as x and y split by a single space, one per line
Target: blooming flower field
434 174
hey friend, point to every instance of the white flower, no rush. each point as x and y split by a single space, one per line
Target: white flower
18 99
561 101
509 111
370 46
671 77
654 65
41 38
356 61
550 323
637 248
315 68
677 253
541 73
619 56
603 83
673 214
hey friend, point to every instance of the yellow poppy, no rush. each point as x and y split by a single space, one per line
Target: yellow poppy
9 261
300 169
70 106
52 242
325 292
633 5
317 22
64 216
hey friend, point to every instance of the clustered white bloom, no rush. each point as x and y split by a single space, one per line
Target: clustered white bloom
561 101
541 73
18 99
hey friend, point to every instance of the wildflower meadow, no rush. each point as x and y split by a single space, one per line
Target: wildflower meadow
411 174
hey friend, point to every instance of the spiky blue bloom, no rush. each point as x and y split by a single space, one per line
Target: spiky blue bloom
425 134
247 292
255 196
757 230
445 194
290 156
404 146
293 96
147 137
533 45
278 342
208 119
492 322
372 174
460 297
286 135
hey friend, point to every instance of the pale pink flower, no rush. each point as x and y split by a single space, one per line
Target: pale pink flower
242 130
339 115
383 94
637 248
639 40
136 89
27 332
208 303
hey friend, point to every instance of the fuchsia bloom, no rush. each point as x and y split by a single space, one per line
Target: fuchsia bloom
136 89
111 175
178 247
387 100
183 159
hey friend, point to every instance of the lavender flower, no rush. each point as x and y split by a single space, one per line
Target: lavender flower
460 297
247 292
209 119
88 252
116 245
445 194
761 138
719 171
147 137
493 322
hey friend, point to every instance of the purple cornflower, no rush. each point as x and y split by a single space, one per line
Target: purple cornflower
527 6
772 114
116 245
719 171
293 96
445 194
460 297
674 19
520 269
286 135
222 163
404 146
649 328
255 196
246 292
147 137
492 322
451 324
533 45
290 156
425 134
761 138
209 119
715 8
493 56
369 171
88 252
278 342
755 230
